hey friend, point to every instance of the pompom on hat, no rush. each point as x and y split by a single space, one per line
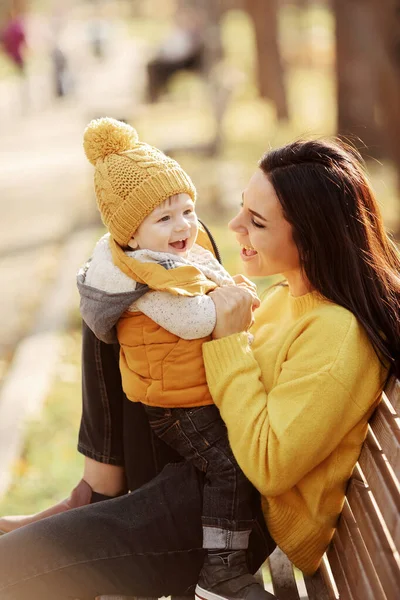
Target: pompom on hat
131 178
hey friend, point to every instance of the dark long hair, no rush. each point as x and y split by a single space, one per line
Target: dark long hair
337 226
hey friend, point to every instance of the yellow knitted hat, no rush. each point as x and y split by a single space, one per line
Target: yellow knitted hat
131 178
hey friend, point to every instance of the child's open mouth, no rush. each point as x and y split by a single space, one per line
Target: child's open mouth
179 245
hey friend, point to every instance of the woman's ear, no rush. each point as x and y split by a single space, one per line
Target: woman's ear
133 244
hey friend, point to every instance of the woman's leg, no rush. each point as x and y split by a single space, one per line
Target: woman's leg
113 431
147 543
100 436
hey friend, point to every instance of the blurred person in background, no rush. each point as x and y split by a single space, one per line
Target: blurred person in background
182 49
97 30
296 401
62 78
13 40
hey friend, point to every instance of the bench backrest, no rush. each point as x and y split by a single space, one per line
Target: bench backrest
362 562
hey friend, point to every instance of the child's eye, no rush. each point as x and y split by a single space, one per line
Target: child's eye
166 218
188 211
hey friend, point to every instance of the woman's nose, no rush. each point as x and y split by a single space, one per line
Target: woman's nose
236 225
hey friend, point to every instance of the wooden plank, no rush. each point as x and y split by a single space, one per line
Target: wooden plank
319 585
354 559
392 391
282 576
383 486
327 575
118 598
259 576
335 559
386 429
379 546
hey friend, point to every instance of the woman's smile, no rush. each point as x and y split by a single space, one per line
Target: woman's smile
247 253
265 236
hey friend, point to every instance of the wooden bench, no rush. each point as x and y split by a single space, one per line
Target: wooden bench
362 562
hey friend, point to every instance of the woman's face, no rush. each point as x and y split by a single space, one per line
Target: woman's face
267 246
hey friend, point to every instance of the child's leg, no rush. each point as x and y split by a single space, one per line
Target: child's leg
229 500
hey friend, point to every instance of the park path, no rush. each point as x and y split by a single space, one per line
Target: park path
49 221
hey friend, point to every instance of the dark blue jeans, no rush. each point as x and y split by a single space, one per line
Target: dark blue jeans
199 435
146 543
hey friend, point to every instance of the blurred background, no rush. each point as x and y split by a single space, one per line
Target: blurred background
214 83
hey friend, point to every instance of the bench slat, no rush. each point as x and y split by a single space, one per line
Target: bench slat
383 486
319 586
373 535
102 597
392 392
356 563
387 432
283 580
335 563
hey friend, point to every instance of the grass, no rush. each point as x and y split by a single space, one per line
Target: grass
50 465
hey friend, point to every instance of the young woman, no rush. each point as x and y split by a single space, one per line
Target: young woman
296 401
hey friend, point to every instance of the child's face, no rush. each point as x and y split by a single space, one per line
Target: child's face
171 227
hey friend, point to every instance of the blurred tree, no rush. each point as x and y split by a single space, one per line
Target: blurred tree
270 69
387 58
7 8
212 11
357 93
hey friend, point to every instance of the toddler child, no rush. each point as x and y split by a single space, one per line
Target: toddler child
147 283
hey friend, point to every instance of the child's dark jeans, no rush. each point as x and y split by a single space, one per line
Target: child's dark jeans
199 435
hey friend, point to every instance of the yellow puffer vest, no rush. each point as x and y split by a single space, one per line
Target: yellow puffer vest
157 367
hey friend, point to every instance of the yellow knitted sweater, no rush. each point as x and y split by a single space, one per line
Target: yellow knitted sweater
296 403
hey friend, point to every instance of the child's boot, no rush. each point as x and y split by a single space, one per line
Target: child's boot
226 577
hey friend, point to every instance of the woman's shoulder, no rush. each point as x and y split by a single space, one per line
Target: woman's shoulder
319 322
341 339
328 318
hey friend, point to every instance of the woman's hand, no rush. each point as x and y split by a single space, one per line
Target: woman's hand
242 280
234 305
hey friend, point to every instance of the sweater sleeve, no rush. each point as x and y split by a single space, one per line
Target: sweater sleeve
190 318
278 437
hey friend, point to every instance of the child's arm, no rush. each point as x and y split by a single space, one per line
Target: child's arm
190 318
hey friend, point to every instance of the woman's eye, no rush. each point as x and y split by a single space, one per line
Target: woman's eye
257 224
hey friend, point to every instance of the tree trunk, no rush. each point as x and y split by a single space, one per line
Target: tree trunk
356 86
387 61
269 63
